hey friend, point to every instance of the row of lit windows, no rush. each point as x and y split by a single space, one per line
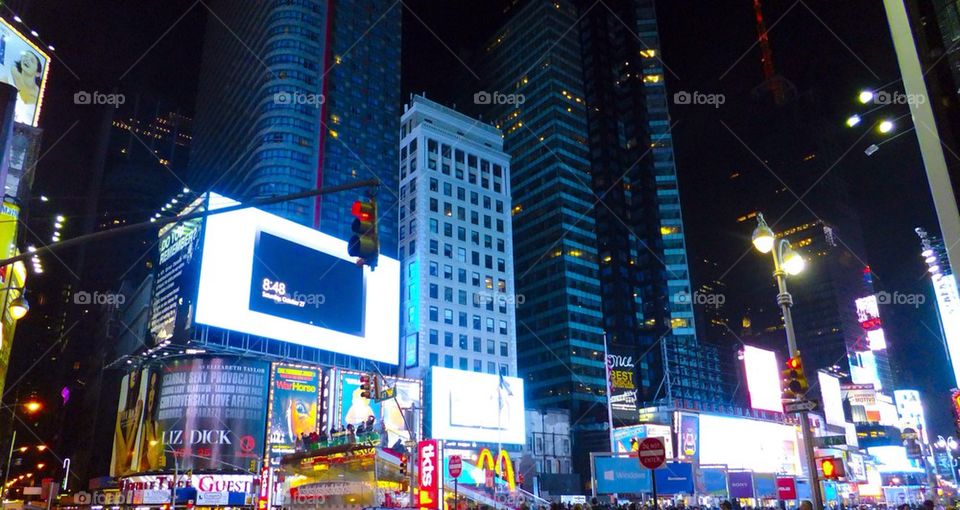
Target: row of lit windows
463 363
463 343
488 324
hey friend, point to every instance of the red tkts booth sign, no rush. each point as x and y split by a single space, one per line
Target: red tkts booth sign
786 489
428 472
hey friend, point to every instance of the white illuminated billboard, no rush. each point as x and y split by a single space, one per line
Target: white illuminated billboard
268 276
948 304
910 411
740 443
832 399
763 378
474 406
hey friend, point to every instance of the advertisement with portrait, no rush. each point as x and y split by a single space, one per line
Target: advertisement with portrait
294 403
688 437
623 388
209 413
130 413
25 66
350 407
626 439
176 273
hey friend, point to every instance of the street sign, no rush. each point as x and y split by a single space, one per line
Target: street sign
652 453
455 466
386 394
799 406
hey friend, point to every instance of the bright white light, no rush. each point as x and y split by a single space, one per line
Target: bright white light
741 443
31 248
58 225
926 253
930 260
43 198
934 269
885 126
832 399
17 19
186 190
763 378
223 299
865 96
60 218
34 33
794 264
853 120
173 200
466 407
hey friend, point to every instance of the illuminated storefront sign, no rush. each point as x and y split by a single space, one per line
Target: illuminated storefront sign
428 467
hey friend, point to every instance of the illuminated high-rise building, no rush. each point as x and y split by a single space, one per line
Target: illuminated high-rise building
297 95
456 243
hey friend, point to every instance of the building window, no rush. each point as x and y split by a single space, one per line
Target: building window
462 298
447 272
447 339
462 275
504 349
434 314
491 347
448 294
448 316
433 359
462 319
434 246
434 269
434 205
491 367
501 265
448 361
434 226
434 290
476 322
434 338
463 363
477 365
463 342
489 325
476 344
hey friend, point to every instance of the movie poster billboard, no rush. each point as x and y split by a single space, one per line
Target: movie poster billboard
626 439
25 66
130 412
294 397
176 277
395 413
623 388
688 439
208 412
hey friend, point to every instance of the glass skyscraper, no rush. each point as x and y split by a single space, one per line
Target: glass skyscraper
298 94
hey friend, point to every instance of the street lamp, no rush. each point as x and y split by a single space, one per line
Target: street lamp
885 126
865 96
786 261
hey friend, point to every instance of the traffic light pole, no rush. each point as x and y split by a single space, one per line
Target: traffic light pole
785 300
150 225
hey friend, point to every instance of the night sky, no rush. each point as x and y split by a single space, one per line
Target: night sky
835 47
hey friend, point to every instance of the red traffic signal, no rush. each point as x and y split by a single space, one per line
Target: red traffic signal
403 464
831 468
365 243
794 380
365 385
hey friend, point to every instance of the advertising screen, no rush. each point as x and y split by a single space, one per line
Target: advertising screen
175 277
625 439
428 469
688 439
130 409
25 66
712 481
675 478
472 406
620 475
294 397
209 412
910 411
763 378
832 399
350 407
740 443
948 305
741 484
623 389
268 276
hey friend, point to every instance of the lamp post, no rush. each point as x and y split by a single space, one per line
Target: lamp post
31 406
786 262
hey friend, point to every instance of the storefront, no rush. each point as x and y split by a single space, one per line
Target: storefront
346 476
203 490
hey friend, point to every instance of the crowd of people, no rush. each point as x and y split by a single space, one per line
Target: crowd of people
365 431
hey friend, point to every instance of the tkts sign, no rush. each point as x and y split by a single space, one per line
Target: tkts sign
428 469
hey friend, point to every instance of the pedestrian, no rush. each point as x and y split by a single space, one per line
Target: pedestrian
806 505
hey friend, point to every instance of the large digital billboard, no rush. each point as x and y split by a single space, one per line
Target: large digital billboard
473 406
25 66
910 411
130 411
832 399
740 443
175 277
623 387
268 276
396 414
688 436
205 413
763 378
948 305
294 404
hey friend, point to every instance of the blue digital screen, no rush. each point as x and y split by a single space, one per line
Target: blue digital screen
302 284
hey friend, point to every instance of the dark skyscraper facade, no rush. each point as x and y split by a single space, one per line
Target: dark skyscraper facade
296 95
647 297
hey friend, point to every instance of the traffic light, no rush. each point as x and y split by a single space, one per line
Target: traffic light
831 468
403 465
794 381
365 385
365 243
